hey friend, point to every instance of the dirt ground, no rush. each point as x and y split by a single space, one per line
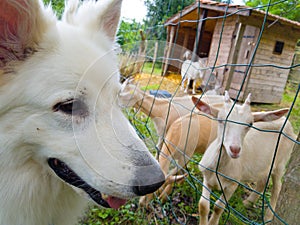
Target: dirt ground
170 83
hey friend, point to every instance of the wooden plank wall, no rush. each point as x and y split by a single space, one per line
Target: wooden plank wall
267 83
225 47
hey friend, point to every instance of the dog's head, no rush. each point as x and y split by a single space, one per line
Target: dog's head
58 93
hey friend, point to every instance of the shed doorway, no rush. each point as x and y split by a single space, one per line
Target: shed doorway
245 43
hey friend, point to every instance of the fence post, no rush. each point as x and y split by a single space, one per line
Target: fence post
289 198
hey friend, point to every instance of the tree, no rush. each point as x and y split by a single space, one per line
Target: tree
289 8
129 34
158 11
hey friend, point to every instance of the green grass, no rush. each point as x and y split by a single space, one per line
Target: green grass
147 68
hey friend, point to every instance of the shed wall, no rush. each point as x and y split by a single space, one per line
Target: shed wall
267 83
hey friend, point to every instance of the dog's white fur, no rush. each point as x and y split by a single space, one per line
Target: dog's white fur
45 63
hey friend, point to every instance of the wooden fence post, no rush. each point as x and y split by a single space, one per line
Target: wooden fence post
289 199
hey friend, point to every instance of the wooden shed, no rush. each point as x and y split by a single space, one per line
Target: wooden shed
229 36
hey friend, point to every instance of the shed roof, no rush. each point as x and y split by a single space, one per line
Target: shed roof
230 9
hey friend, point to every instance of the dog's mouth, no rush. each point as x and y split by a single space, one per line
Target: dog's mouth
69 176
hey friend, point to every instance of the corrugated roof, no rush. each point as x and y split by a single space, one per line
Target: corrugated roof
231 9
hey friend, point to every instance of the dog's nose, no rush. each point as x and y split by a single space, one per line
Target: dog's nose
143 190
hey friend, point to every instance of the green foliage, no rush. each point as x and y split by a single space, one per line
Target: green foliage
129 34
57 5
288 8
158 12
127 214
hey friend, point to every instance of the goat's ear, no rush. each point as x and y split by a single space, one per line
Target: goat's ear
204 107
22 23
269 116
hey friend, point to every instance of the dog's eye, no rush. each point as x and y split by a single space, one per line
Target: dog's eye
72 107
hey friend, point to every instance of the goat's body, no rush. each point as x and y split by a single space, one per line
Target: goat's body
191 71
163 111
188 135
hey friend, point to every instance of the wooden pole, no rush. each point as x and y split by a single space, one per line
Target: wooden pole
289 199
200 30
168 50
236 47
154 55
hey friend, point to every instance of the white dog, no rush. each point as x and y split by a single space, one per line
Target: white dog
63 138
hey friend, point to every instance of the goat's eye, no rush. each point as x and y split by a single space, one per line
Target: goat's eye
250 125
71 107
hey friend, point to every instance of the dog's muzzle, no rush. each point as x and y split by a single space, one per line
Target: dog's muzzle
69 176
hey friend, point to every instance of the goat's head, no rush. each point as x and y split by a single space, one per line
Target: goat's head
129 95
235 121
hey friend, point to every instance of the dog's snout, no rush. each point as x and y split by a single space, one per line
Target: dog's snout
143 190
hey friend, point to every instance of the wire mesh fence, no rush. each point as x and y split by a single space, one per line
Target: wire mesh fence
231 48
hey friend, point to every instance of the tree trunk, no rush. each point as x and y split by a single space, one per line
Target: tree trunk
289 200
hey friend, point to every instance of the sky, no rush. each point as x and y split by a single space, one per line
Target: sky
135 9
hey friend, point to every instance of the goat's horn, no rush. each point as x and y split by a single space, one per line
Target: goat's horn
248 99
175 178
227 97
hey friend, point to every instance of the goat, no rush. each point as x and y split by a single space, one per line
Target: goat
187 135
243 154
191 71
163 112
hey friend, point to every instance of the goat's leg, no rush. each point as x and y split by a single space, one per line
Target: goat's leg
276 179
159 146
165 156
168 189
182 82
219 205
194 86
187 85
254 196
145 200
203 205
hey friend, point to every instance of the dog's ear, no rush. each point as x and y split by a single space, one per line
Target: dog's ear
110 17
99 16
20 29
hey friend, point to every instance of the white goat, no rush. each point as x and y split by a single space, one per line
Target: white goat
191 71
162 111
246 155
